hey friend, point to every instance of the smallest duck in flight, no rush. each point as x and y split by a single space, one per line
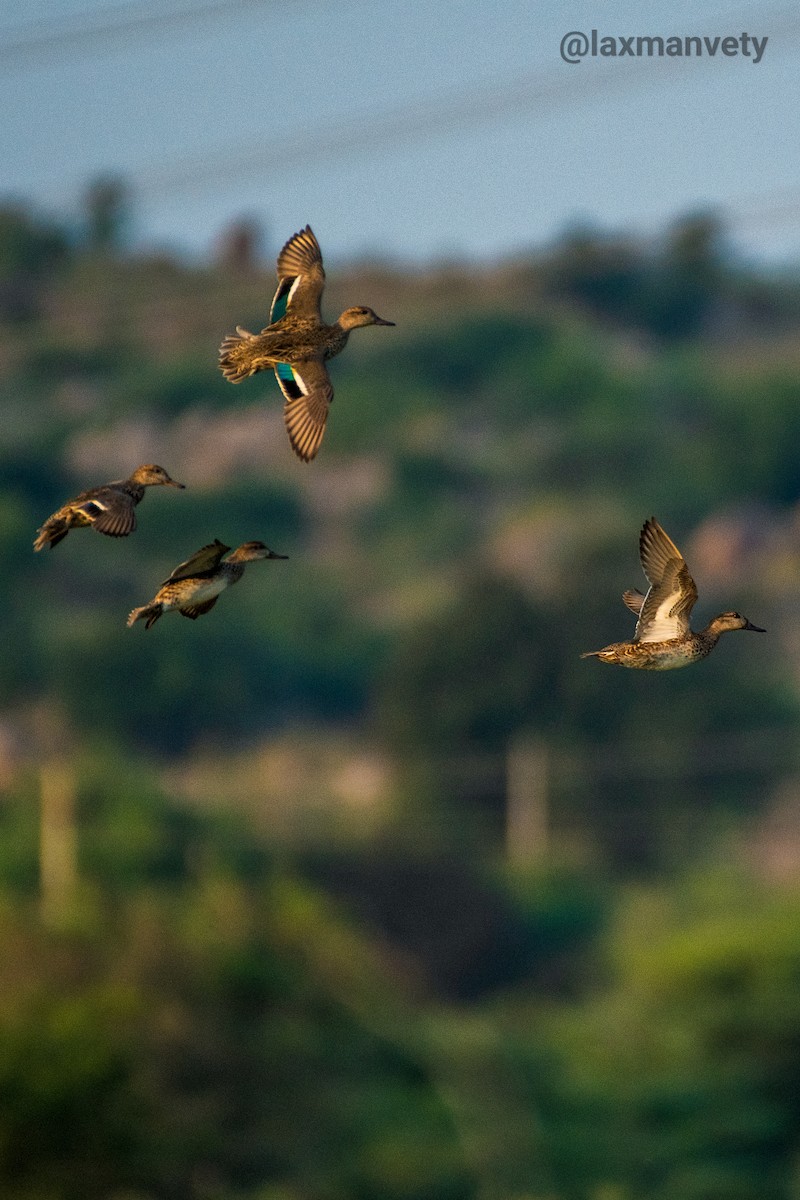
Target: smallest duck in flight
664 639
194 586
296 344
109 508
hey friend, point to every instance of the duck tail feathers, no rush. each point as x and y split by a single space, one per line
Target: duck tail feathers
236 356
149 613
51 533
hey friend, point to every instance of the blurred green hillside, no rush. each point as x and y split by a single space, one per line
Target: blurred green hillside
365 885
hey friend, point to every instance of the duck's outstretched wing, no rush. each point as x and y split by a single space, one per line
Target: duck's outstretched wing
665 612
308 391
109 510
203 562
656 551
196 610
634 599
301 277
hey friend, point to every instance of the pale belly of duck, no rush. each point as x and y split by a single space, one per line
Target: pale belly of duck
198 591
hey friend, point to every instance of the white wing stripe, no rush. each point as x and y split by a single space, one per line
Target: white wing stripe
292 290
301 383
661 626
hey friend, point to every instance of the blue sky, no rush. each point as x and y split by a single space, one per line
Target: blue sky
408 129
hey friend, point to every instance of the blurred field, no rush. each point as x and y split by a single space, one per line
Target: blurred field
365 886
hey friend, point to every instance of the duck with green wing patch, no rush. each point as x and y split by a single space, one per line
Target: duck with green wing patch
297 343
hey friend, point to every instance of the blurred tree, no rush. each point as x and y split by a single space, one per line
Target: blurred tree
456 689
682 1079
673 293
605 273
201 1023
70 1115
108 204
692 280
471 676
470 932
240 247
30 249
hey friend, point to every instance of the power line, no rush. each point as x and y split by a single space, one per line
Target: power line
541 91
481 104
462 110
453 111
40 39
45 34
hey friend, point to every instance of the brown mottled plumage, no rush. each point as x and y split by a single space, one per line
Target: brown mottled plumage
109 508
296 343
194 586
664 639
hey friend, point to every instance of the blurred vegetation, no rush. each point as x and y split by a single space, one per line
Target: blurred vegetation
400 1008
